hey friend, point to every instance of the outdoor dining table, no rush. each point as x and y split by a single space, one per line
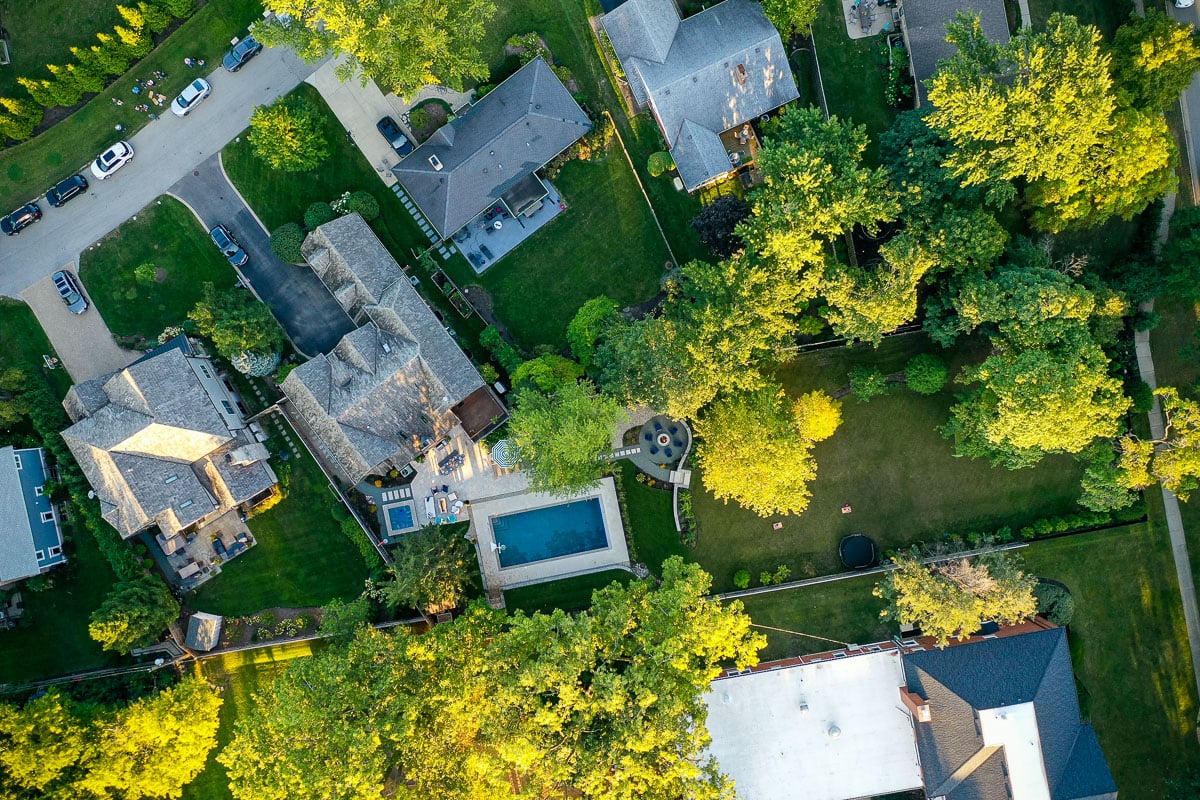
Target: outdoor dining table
865 17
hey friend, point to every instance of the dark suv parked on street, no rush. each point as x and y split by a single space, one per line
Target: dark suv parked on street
240 53
65 189
22 218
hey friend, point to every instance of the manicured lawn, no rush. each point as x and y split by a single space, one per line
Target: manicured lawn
30 168
281 197
239 676
53 638
302 558
819 617
1129 647
44 33
166 234
852 71
1107 15
653 535
23 343
887 461
569 594
605 243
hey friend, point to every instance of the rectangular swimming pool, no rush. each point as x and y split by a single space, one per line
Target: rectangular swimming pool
566 529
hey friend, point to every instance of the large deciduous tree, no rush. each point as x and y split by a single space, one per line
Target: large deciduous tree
604 704
133 614
562 437
755 448
237 323
866 303
952 598
1154 59
288 135
431 572
400 44
717 222
588 325
1173 460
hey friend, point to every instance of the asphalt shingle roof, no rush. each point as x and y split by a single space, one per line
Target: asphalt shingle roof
925 27
508 134
17 558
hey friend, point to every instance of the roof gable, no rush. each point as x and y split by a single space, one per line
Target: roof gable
643 28
506 135
17 557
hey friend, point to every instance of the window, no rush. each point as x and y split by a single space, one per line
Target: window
39 490
204 369
185 503
171 479
40 555
47 516
17 458
56 550
226 405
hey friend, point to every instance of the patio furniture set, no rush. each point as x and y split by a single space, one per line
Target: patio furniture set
442 506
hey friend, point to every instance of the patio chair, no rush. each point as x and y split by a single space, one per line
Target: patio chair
653 450
657 426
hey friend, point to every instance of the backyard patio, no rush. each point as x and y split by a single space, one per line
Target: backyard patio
497 231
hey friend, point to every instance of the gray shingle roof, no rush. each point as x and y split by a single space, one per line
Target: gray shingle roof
1032 668
512 131
145 437
204 631
387 389
698 79
17 558
925 28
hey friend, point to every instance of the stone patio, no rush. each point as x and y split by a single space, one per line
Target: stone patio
480 237
200 557
866 18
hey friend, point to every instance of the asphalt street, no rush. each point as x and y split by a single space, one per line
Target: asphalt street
1191 98
164 152
312 318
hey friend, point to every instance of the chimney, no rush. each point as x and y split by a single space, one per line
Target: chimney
916 705
740 72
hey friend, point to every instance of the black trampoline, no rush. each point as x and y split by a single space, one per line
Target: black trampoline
857 551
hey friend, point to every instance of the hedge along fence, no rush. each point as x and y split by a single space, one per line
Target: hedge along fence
93 66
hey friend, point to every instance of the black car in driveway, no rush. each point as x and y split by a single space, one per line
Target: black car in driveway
229 246
240 53
22 218
396 138
65 189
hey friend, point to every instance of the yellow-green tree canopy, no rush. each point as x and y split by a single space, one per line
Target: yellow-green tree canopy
756 449
864 304
288 135
400 44
56 749
606 703
952 598
1174 460
1154 59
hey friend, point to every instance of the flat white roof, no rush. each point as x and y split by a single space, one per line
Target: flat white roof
854 739
1015 728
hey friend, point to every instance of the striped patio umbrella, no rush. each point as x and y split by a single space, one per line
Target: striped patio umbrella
506 454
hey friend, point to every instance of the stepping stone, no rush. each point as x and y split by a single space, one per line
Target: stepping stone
432 236
396 188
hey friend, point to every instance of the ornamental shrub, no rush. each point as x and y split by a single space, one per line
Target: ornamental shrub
318 214
365 204
926 374
419 119
867 382
659 162
1054 603
144 273
286 241
741 579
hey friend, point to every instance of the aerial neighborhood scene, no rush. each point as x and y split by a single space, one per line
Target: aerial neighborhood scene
604 399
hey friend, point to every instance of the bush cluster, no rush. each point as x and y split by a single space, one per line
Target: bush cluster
504 353
366 548
286 241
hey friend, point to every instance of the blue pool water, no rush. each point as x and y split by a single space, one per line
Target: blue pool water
400 518
551 532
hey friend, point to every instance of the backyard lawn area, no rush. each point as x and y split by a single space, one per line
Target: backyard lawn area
23 343
281 197
239 676
301 559
43 33
605 243
569 594
167 235
653 536
1107 15
891 465
1128 643
31 167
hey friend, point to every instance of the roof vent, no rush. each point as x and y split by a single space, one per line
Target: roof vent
346 383
537 106
491 152
740 72
727 699
387 348
436 163
834 732
803 707
171 479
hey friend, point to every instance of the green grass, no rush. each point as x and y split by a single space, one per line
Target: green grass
166 234
239 676
53 637
1129 647
23 343
1107 15
1128 643
44 33
281 197
301 559
852 71
30 168
652 536
887 461
605 243
568 594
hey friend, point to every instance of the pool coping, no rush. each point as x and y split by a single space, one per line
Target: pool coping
387 521
496 577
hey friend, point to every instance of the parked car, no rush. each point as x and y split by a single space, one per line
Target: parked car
22 218
112 160
240 53
228 246
65 189
190 97
395 137
69 291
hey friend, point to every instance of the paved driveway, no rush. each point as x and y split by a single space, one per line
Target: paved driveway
82 341
165 151
312 318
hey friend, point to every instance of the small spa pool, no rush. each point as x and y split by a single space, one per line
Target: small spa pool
401 518
565 529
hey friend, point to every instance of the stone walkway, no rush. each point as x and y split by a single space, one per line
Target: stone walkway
1179 550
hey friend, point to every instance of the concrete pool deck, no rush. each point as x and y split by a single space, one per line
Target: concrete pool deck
496 577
